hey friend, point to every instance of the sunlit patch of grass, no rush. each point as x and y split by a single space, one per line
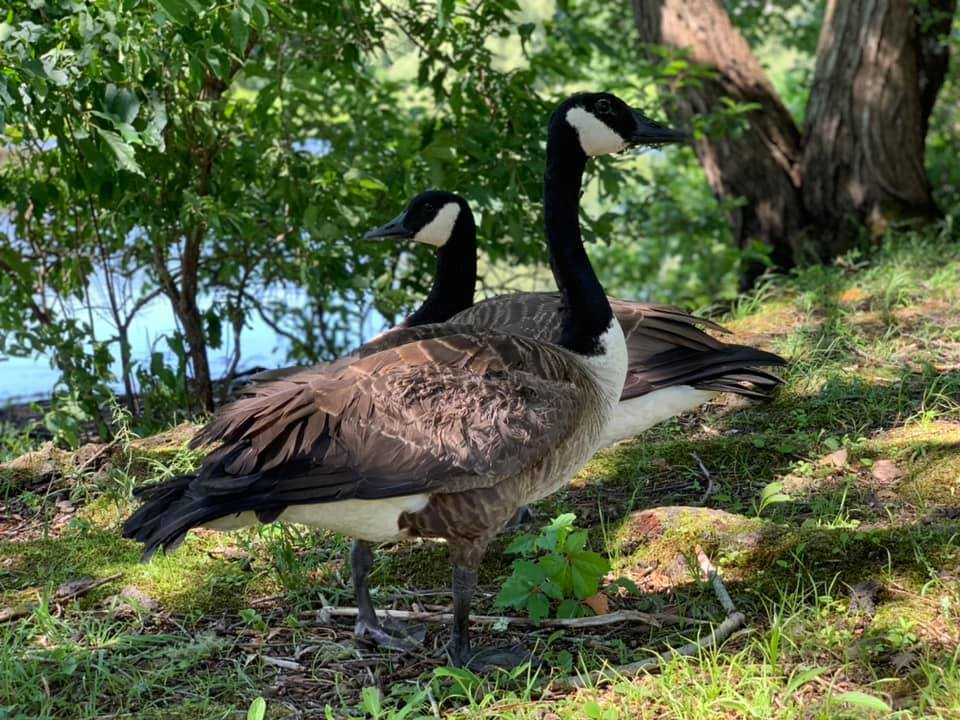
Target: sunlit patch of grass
873 344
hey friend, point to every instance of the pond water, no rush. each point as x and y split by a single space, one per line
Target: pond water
33 378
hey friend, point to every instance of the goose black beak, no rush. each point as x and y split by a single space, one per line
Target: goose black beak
649 132
393 229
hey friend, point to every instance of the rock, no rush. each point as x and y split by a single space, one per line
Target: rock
45 462
131 601
696 523
664 536
837 459
863 597
885 471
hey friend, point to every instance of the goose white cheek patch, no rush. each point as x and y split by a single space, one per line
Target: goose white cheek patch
596 137
438 230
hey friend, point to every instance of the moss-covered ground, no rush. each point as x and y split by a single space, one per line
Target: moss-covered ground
833 513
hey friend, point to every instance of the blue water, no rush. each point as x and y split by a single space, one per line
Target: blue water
34 378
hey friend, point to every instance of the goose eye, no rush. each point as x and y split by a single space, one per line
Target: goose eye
603 106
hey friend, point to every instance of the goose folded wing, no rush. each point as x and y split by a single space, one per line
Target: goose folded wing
439 414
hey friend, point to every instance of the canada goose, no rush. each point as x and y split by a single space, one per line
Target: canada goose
674 366
443 437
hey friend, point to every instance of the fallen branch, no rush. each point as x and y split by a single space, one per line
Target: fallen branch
324 615
706 476
734 620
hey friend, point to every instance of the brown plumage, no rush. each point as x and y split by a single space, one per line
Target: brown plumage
450 414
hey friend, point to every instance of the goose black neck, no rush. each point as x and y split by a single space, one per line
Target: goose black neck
586 311
455 276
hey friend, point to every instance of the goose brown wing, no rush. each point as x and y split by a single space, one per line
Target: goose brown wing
438 415
444 413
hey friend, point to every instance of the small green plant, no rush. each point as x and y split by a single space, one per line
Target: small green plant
772 494
554 568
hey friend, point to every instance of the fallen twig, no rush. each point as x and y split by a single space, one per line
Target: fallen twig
734 620
621 616
706 476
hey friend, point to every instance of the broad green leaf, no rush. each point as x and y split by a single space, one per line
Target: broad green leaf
586 569
514 593
180 11
553 566
372 703
569 608
444 11
863 700
122 152
259 17
121 103
257 710
800 679
520 545
771 489
538 607
239 30
576 541
552 589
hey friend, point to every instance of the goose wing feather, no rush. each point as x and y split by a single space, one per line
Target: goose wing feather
476 406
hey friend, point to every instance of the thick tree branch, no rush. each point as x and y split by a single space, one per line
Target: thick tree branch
759 164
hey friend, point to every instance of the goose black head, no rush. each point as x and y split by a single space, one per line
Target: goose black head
605 124
430 218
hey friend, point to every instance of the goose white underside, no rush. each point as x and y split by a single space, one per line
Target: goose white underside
632 417
373 520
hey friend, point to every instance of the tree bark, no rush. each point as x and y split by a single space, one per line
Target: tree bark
863 158
934 19
760 164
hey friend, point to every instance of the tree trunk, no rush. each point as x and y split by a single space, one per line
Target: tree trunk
934 20
759 164
192 322
880 65
863 158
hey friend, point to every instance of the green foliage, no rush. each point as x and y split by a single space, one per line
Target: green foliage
554 568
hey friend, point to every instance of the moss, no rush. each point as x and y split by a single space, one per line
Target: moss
31 468
188 581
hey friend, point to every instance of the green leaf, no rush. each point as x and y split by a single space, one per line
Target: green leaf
553 566
444 11
576 541
521 545
771 489
514 593
586 569
122 152
569 608
239 30
258 709
863 700
372 703
219 62
259 17
180 11
538 607
121 103
552 589
798 680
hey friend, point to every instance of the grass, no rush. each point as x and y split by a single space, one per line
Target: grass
850 579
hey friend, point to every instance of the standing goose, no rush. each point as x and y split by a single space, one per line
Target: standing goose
445 437
674 366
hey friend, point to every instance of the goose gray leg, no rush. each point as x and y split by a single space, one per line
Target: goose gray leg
460 650
368 629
